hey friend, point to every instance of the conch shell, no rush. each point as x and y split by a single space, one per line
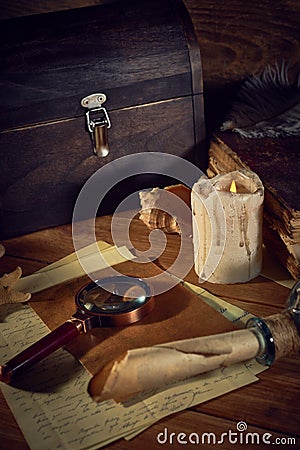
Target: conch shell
159 219
152 213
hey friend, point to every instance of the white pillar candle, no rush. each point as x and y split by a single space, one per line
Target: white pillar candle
227 227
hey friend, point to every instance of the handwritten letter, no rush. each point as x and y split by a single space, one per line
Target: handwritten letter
54 410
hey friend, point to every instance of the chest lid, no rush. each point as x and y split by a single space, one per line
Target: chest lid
136 52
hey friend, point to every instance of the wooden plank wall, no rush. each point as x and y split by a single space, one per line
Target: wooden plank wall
236 37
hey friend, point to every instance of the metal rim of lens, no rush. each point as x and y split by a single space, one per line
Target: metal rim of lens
121 280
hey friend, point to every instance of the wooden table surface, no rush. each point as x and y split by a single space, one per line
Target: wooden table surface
270 405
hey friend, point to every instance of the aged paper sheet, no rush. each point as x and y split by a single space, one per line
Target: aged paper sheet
69 268
53 408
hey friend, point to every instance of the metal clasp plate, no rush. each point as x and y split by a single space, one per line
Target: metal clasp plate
98 122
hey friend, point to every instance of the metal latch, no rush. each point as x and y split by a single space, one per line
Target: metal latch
98 122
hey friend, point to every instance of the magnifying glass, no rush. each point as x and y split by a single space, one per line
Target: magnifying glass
113 301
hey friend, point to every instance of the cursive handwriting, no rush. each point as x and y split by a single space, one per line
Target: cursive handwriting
54 410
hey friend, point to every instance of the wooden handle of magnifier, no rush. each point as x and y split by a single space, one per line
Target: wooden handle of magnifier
39 350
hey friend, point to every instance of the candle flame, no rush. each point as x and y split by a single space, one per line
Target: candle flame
233 187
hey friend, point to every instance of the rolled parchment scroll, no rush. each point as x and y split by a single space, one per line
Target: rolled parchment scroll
143 369
153 367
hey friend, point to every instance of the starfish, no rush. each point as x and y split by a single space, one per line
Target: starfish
7 293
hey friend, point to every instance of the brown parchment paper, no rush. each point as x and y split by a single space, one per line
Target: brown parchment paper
178 314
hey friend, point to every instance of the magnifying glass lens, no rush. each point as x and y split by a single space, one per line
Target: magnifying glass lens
114 297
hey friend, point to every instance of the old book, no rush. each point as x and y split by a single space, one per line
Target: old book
276 161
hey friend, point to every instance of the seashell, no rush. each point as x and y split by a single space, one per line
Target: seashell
156 218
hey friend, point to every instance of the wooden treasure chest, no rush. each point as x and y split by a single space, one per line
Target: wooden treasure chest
83 87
